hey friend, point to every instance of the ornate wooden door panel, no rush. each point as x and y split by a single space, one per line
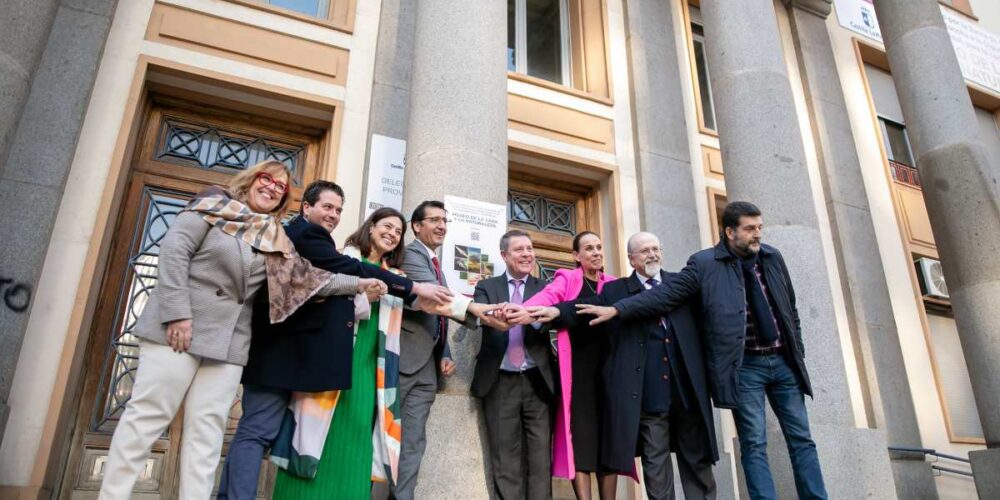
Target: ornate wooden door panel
179 153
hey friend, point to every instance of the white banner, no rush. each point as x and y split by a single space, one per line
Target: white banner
977 49
472 246
386 164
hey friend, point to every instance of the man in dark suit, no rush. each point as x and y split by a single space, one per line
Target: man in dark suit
514 378
311 351
423 342
657 396
753 343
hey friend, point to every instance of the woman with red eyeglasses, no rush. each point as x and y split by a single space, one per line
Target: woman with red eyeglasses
194 332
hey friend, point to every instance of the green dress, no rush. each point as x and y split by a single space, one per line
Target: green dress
345 467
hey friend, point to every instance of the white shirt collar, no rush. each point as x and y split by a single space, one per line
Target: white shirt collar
509 277
430 252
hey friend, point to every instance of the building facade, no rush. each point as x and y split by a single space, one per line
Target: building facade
868 134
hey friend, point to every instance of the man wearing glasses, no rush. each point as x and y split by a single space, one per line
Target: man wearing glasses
423 350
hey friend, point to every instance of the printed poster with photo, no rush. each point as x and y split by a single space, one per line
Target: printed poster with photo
471 249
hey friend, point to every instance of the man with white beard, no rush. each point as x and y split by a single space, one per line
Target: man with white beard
656 388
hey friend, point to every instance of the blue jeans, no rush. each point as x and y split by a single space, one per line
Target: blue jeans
263 410
771 375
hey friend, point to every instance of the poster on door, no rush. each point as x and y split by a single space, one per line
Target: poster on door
471 249
386 164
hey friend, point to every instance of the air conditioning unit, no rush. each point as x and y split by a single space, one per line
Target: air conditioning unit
931 278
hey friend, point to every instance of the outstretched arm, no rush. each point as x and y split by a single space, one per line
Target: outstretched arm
657 302
315 245
651 303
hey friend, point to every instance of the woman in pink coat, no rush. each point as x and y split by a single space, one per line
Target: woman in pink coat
580 352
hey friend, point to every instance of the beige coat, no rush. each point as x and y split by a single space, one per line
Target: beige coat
211 278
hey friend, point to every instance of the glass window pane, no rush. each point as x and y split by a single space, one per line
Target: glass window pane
315 8
544 30
704 86
511 34
896 143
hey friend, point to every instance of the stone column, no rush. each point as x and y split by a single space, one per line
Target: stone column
666 186
24 30
962 196
457 145
766 164
861 274
46 76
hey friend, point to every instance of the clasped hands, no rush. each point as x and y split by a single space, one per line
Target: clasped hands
506 315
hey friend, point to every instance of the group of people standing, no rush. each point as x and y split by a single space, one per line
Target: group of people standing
340 353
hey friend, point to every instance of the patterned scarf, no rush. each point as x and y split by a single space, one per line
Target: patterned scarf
299 444
291 280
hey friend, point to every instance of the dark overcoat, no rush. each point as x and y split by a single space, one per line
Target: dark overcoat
311 351
625 365
715 277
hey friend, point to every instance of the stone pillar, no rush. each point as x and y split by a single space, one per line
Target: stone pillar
861 274
45 81
766 164
390 107
666 186
962 196
24 30
457 145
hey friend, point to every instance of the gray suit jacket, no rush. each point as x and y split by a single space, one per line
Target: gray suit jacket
210 277
420 330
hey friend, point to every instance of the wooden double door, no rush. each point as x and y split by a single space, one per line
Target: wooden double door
178 153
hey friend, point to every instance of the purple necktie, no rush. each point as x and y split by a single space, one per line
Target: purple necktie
515 338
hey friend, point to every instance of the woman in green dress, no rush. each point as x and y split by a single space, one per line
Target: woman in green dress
362 444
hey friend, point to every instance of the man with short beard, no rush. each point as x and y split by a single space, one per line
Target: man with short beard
753 343
657 391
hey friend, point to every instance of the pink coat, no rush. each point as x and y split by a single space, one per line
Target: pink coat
565 286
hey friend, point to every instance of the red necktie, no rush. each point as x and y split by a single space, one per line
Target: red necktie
442 321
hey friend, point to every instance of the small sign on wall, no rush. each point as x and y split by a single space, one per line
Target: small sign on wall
386 165
471 250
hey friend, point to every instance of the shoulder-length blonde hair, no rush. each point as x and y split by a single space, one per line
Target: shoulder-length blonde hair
239 187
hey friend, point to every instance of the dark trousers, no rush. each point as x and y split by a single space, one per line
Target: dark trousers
517 418
771 375
694 459
263 410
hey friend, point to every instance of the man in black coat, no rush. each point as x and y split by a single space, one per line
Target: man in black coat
656 397
515 380
311 351
753 343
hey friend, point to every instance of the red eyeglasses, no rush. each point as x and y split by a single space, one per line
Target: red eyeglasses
267 179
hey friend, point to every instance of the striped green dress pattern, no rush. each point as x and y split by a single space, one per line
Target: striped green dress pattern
345 467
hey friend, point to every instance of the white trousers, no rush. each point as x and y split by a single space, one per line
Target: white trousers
164 380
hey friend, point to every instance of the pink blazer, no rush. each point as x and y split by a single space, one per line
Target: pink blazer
565 286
